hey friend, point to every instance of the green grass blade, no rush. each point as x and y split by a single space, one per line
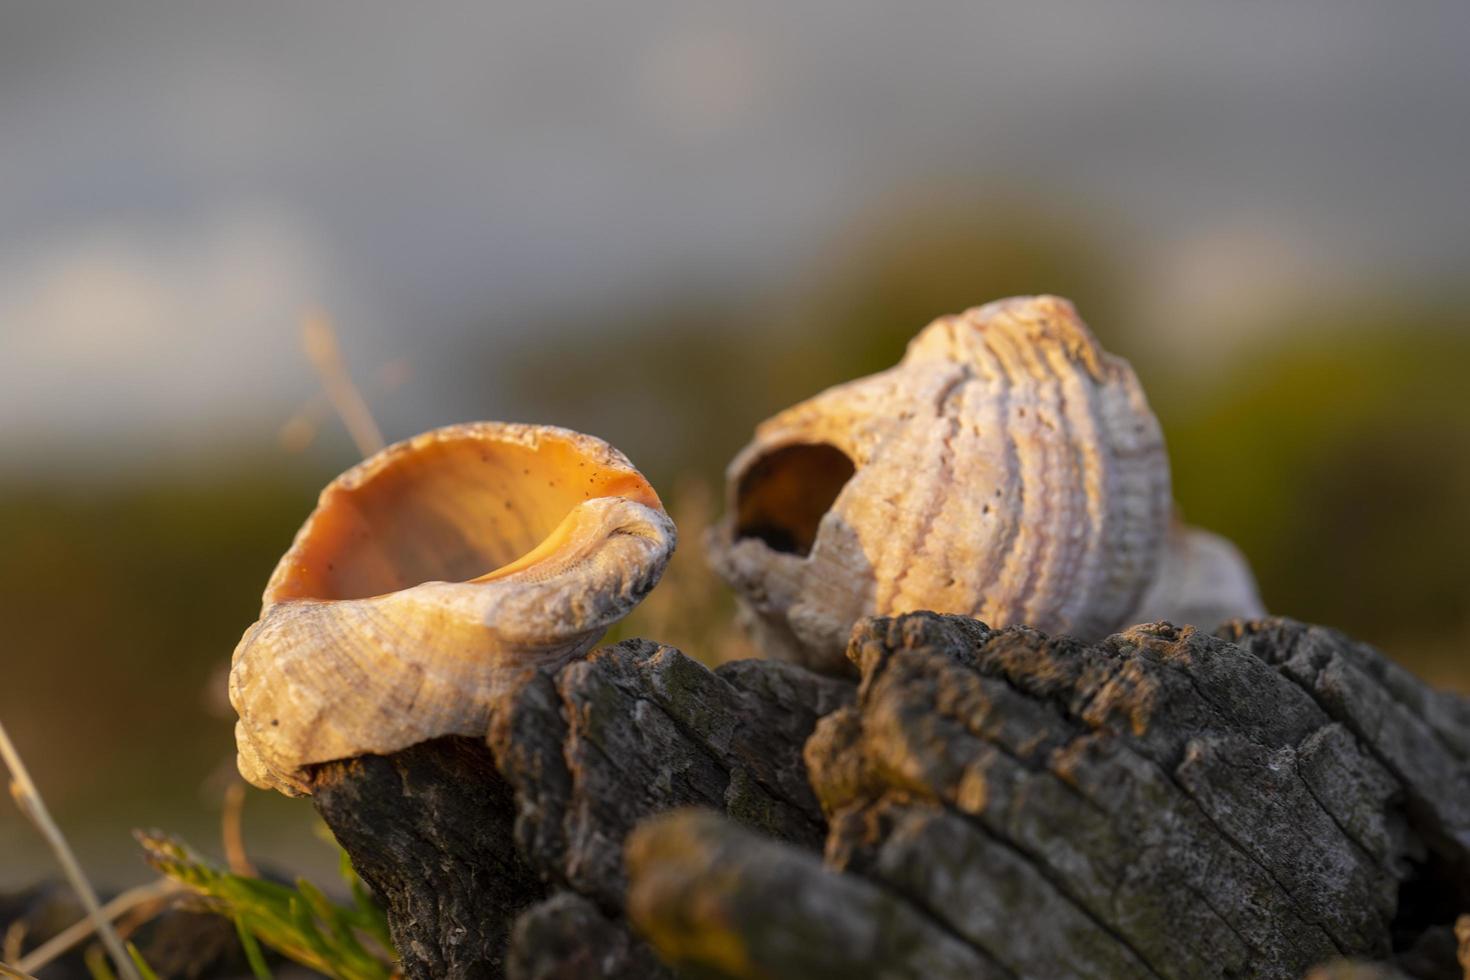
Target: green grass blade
288 920
95 959
144 970
253 953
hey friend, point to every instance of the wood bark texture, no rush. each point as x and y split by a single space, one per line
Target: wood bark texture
1267 802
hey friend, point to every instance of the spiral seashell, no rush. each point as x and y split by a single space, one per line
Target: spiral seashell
1008 468
431 577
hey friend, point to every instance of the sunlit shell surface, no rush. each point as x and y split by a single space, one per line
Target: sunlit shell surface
1007 468
429 578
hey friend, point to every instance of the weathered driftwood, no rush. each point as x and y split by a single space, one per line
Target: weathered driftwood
1164 803
459 838
982 803
429 830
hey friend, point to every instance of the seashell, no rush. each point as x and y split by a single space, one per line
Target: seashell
430 578
1203 580
1008 468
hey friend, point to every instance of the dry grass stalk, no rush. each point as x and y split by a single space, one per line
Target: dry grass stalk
299 431
231 833
157 892
15 936
28 798
320 341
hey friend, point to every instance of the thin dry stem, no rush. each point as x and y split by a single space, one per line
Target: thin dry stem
231 832
299 431
30 802
10 971
62 943
320 341
15 935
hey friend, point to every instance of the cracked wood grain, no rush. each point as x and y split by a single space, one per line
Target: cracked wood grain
1164 803
993 803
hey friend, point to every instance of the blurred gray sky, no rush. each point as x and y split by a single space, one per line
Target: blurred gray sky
177 182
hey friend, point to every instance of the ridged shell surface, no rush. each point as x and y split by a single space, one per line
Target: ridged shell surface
1007 468
429 578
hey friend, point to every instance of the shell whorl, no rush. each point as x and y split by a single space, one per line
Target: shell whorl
432 576
1007 468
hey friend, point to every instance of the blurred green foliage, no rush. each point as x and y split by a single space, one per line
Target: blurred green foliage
1340 463
121 601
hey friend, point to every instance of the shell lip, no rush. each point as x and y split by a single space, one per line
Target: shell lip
303 573
801 474
652 522
525 434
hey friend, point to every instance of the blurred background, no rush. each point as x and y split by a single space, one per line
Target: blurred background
662 222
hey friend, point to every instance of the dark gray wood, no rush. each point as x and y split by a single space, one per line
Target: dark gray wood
1163 804
639 728
429 830
986 803
567 937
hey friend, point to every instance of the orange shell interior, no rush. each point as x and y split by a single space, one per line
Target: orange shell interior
452 510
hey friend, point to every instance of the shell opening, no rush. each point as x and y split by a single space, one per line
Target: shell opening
781 497
454 510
